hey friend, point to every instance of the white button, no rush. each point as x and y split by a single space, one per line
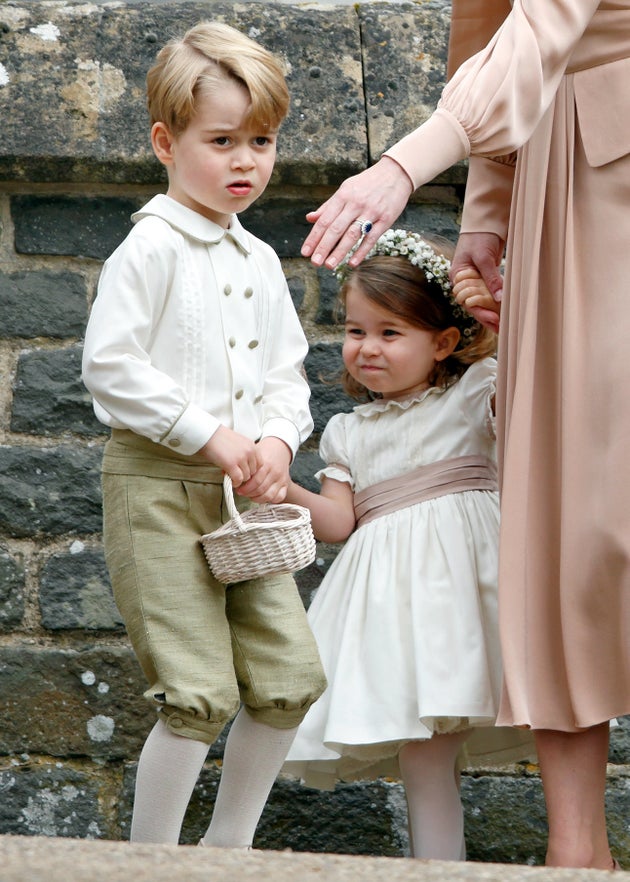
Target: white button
248 292
238 394
232 342
227 290
253 344
174 442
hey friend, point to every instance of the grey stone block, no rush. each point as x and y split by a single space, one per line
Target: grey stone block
505 819
72 702
49 397
12 582
75 592
279 222
51 800
328 298
50 491
42 304
404 56
80 226
90 87
323 365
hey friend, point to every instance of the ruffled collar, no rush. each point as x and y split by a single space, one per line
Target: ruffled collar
380 405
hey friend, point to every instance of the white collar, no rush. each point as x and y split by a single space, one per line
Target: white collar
193 224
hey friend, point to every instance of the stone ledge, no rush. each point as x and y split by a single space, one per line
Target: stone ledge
31 859
360 76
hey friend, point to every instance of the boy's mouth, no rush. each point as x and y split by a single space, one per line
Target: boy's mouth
240 188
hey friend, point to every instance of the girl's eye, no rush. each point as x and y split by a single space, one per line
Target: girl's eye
222 140
354 332
261 141
390 333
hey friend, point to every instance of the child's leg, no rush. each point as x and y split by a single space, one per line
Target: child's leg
436 818
254 753
168 769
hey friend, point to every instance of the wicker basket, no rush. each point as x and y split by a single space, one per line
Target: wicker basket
263 540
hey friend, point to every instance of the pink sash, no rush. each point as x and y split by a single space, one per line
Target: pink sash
427 482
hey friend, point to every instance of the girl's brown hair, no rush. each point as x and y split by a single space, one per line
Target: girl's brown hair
396 285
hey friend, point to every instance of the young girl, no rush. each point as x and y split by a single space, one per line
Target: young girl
406 618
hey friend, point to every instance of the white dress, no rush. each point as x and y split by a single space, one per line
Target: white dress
406 617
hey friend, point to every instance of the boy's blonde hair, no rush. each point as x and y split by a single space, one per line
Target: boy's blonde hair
202 59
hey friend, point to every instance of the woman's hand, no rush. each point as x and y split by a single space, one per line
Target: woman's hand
377 195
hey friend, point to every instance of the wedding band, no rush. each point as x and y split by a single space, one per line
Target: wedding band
365 226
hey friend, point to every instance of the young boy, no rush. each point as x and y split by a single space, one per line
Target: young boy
193 356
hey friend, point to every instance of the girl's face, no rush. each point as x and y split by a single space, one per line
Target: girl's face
385 353
220 163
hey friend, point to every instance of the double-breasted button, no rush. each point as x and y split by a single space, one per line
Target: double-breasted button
238 394
252 344
232 342
227 290
248 292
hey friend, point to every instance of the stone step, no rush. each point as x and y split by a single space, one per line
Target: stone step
33 859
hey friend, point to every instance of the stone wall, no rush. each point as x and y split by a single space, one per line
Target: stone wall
75 161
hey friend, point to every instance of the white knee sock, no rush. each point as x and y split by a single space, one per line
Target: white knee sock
436 818
254 753
168 769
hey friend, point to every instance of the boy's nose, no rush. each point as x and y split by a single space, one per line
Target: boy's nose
243 158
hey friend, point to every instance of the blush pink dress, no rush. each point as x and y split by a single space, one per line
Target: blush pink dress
551 90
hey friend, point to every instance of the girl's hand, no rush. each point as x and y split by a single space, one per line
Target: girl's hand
469 290
237 455
378 195
270 482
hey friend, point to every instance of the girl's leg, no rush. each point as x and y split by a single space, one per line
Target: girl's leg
573 770
168 769
436 817
254 754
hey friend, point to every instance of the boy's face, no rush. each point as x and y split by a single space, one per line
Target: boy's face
219 165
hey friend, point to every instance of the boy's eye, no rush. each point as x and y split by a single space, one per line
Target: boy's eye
262 140
221 140
390 333
354 332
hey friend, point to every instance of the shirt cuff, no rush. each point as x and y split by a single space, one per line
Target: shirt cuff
193 429
276 427
429 150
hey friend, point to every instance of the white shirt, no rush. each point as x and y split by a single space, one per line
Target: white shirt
192 328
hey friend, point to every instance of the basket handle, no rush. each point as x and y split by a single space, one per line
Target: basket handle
229 498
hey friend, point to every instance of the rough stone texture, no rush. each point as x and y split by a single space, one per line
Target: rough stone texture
75 592
323 365
46 799
49 397
82 66
38 304
34 859
12 582
72 702
50 491
64 225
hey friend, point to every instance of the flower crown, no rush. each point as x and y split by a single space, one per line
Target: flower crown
436 267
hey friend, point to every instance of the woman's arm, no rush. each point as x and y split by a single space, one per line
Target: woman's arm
332 510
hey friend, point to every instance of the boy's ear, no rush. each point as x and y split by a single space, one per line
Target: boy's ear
162 142
445 343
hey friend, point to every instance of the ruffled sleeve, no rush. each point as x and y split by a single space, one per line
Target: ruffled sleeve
496 98
477 389
333 449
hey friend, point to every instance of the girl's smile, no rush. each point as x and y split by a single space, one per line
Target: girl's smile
385 353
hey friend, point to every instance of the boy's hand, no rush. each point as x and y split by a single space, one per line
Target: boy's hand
237 455
470 291
270 482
